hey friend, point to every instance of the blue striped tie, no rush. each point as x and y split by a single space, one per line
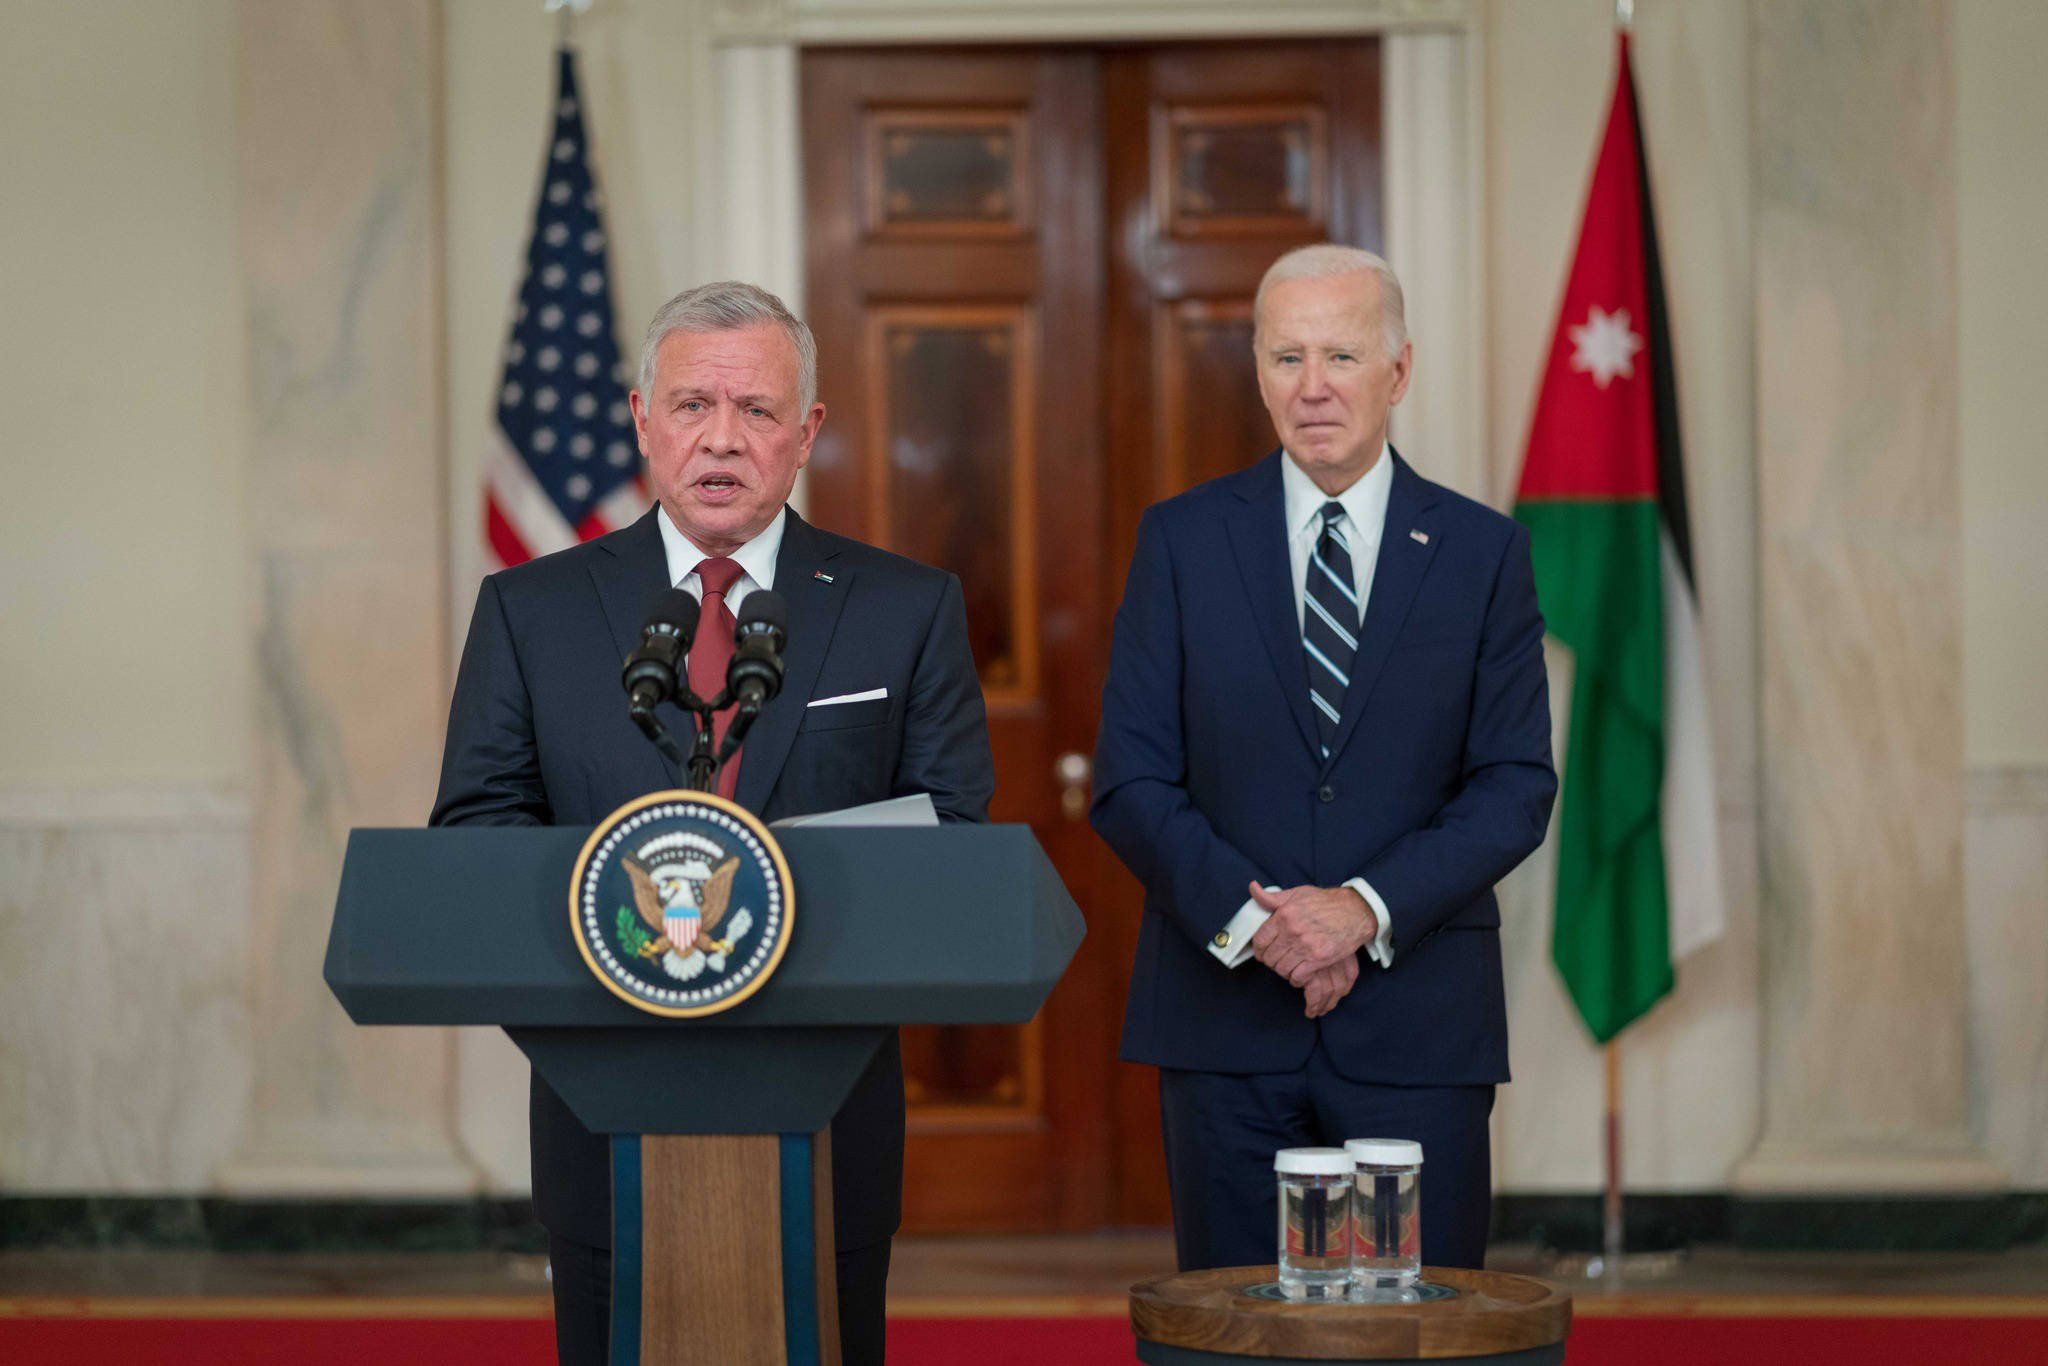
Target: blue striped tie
1329 625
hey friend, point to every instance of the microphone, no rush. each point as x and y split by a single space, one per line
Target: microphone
755 674
652 670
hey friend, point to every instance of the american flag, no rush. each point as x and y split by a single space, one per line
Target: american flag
562 465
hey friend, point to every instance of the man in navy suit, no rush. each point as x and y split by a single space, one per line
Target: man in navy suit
1325 736
880 699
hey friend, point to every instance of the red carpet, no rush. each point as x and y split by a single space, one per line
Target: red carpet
1709 1340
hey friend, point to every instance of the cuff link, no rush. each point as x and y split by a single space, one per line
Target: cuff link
1222 939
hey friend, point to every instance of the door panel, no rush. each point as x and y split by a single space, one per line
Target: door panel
1031 277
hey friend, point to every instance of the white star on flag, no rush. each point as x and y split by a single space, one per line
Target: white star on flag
1605 347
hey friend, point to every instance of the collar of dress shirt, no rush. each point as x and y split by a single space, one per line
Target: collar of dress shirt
1365 502
756 558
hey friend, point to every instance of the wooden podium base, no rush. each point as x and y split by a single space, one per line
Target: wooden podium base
1204 1318
722 1251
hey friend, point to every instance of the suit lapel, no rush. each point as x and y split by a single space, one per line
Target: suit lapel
1397 575
627 577
1258 537
814 606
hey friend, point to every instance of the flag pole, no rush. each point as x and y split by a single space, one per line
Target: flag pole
1611 1227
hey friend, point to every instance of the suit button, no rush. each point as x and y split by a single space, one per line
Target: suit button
1326 793
1222 939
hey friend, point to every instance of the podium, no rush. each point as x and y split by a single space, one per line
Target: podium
721 1173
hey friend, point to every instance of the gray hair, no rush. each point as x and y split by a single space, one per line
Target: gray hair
728 306
1327 260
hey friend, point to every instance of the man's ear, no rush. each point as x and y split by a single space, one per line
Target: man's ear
1404 370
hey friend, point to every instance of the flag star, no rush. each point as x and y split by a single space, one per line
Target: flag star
543 439
580 445
567 109
589 324
551 317
620 412
592 281
583 405
559 192
579 486
513 393
544 399
1605 346
514 353
619 453
593 240
555 234
552 275
564 148
586 364
548 358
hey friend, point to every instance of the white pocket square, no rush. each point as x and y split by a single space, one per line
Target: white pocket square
870 695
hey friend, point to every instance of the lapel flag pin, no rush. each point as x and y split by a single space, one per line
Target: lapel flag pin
821 574
1420 536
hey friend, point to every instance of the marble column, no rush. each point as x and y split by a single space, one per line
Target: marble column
1864 981
340 185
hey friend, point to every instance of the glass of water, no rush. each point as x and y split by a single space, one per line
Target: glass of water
1315 1222
1387 1215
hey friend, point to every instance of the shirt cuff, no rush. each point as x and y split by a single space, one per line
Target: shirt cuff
1232 944
1381 949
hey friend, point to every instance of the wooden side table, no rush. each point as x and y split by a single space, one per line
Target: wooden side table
1205 1318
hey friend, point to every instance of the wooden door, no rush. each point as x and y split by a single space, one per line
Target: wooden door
1030 274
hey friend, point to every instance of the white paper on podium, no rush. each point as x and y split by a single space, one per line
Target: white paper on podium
916 809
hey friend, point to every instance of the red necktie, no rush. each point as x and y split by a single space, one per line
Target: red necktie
713 652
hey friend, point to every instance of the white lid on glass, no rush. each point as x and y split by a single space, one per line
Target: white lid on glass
1385 1152
1312 1162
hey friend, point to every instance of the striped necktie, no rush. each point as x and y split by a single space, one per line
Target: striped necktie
1329 625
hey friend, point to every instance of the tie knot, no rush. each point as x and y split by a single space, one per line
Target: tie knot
1333 513
719 575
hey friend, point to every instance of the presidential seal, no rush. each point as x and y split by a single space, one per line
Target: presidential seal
681 903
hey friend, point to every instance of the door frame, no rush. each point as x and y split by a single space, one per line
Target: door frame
1432 131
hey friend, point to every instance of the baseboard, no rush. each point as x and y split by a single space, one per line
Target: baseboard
238 1225
1662 1222
1564 1222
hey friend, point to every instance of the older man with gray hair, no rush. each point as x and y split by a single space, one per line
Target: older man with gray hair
1325 736
879 699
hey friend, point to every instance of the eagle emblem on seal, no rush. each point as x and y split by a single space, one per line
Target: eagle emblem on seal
684 904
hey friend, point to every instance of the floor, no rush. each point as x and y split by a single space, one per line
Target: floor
1057 1275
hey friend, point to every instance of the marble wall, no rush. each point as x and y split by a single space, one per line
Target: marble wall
1859 541
339 145
125 1031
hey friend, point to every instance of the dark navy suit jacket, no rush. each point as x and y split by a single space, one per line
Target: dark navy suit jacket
1208 775
538 735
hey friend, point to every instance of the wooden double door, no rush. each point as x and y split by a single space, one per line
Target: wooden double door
1031 274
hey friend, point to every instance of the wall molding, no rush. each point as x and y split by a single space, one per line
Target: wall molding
2005 787
945 21
124 807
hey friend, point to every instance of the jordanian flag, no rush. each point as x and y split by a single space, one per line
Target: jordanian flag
1603 496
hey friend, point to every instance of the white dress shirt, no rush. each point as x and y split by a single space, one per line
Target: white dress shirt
1365 519
756 560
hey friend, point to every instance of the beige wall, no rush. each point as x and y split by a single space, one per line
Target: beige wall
122 647
2002 207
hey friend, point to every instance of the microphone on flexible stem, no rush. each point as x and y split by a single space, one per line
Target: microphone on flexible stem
755 674
654 670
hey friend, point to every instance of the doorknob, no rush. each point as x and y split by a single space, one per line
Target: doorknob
1073 772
